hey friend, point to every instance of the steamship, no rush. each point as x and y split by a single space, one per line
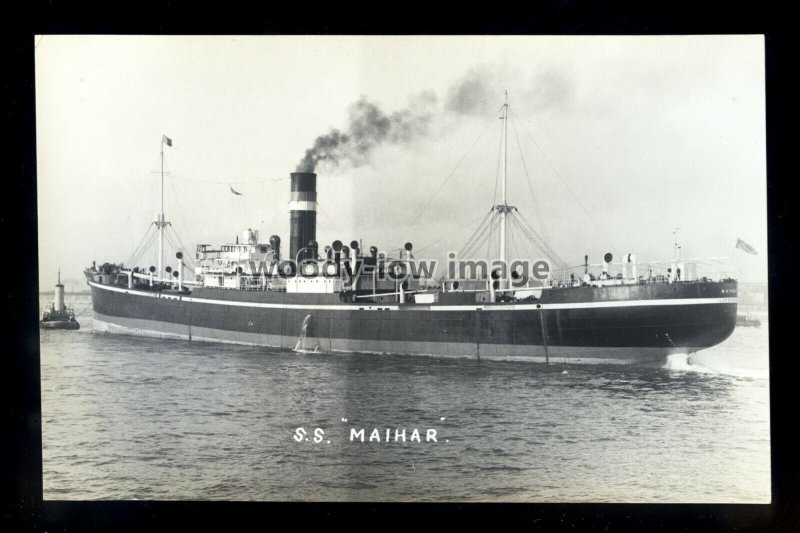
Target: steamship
341 298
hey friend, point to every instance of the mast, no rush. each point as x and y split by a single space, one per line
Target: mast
160 218
58 295
504 208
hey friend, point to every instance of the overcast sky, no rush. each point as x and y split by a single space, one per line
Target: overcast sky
622 139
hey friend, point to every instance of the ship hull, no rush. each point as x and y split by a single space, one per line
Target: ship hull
637 324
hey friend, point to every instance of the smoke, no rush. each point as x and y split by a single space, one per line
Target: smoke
369 127
550 89
469 95
480 91
478 94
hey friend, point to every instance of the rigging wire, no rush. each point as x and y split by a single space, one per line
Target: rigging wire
149 246
477 229
186 255
213 182
141 193
530 184
180 212
174 239
532 238
333 224
469 249
144 244
170 241
479 236
441 186
190 263
135 251
84 309
537 241
528 227
482 218
428 246
497 172
511 244
484 233
591 219
149 238
492 223
130 233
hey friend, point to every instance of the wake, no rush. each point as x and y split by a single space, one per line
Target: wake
697 363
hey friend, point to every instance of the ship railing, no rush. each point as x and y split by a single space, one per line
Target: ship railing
259 283
381 294
673 271
611 281
248 283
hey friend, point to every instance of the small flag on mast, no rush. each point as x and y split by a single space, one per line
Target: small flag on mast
233 191
740 244
166 140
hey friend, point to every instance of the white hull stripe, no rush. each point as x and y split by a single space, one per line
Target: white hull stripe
297 205
389 307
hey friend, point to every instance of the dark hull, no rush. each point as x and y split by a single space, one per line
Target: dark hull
636 323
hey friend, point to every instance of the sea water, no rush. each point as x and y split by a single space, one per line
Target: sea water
128 418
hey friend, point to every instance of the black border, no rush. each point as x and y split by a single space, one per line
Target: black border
24 508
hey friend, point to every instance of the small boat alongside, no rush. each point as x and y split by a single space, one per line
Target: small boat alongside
747 321
58 315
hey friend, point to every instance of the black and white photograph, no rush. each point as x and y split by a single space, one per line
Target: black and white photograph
342 268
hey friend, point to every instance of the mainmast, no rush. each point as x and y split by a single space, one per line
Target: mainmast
160 219
504 208
505 172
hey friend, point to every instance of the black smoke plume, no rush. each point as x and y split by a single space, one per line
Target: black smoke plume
470 94
368 127
480 91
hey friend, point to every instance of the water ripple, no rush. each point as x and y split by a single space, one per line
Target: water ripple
130 418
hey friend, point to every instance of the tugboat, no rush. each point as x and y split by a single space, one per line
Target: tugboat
58 315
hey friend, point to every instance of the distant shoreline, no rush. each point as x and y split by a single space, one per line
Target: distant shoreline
67 293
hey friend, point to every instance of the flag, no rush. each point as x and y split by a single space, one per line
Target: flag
166 140
233 191
740 244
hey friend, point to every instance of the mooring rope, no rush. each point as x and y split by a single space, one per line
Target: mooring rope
84 309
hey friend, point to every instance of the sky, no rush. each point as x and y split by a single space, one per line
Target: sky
613 142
